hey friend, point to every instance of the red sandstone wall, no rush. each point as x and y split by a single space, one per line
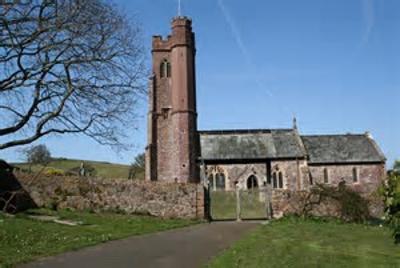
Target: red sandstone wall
370 175
160 199
294 175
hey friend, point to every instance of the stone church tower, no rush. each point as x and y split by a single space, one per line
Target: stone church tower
173 143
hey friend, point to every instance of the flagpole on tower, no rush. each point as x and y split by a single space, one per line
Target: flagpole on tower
179 8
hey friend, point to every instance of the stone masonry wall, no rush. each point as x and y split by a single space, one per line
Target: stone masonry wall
160 199
370 176
285 202
238 173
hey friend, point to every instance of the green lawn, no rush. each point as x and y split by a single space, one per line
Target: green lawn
23 239
299 243
103 169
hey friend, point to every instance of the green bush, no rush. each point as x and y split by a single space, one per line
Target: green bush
353 207
391 196
50 171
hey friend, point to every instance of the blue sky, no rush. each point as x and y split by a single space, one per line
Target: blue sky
335 65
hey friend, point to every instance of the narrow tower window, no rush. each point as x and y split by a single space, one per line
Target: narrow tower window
168 69
165 69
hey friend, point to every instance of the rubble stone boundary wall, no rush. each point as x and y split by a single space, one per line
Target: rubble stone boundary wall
286 202
167 200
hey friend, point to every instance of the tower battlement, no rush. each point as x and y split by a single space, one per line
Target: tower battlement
181 35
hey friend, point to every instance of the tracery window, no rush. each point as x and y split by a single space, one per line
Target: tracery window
277 180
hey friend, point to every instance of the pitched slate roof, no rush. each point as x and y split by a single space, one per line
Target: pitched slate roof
250 144
348 148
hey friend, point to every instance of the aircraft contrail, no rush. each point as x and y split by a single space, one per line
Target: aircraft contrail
247 57
235 32
369 17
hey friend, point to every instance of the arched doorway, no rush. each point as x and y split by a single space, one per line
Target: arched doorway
252 182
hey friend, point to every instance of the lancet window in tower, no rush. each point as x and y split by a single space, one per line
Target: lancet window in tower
165 69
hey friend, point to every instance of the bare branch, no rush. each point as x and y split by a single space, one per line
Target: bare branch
67 66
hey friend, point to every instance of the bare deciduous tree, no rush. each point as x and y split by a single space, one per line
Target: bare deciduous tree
67 66
38 154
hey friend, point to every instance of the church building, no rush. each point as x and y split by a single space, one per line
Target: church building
245 158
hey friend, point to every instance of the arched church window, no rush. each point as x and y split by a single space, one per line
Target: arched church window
220 181
274 180
252 182
165 69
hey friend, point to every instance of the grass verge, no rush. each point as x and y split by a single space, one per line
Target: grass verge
311 243
23 239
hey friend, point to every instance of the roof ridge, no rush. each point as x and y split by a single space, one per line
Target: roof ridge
243 131
333 135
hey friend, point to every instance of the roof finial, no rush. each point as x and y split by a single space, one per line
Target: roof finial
294 122
179 8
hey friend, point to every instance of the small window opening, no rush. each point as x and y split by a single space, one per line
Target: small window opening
326 175
274 181
165 112
355 175
280 180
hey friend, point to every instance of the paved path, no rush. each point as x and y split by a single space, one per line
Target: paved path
187 247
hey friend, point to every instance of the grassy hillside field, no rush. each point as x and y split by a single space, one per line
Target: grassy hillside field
103 169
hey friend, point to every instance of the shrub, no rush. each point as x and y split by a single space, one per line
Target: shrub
353 207
54 172
391 196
